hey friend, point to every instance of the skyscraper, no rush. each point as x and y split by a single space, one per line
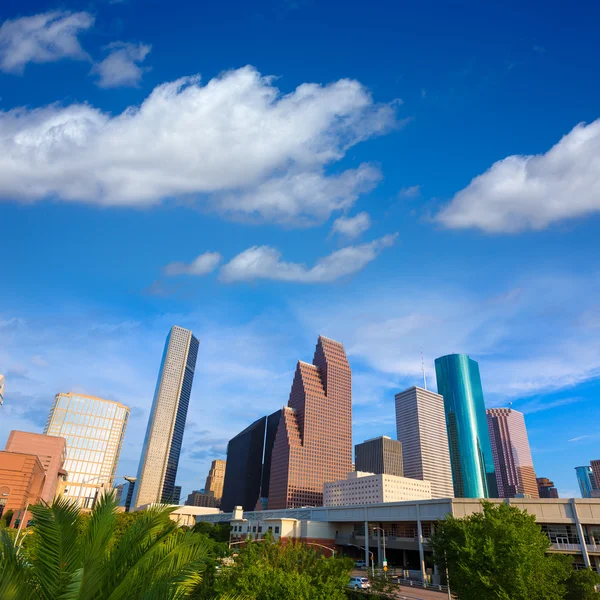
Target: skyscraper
94 429
471 458
272 426
421 429
215 479
511 452
164 435
586 481
2 384
546 488
595 464
313 444
243 470
380 455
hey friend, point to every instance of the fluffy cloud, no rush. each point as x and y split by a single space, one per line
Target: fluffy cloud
121 67
43 38
531 192
352 226
264 262
237 142
410 192
202 265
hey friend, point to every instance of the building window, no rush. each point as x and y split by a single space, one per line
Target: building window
276 529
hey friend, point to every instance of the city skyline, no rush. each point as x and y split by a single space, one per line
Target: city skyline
427 189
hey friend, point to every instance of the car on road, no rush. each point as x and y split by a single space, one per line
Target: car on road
360 564
359 583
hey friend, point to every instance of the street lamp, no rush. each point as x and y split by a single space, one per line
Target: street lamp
372 556
384 557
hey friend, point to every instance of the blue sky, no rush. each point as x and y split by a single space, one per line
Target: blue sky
398 176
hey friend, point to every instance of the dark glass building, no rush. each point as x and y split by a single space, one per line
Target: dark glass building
586 481
379 455
471 457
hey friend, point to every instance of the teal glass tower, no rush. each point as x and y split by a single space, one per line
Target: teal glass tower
586 481
471 459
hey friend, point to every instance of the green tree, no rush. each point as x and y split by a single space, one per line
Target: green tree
499 554
268 570
219 532
581 585
64 559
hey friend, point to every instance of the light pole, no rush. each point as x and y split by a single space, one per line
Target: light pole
384 556
372 556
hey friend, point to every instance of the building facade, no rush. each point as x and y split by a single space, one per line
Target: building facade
471 458
421 429
127 494
313 444
215 479
546 488
370 488
164 435
512 455
243 471
586 481
22 478
595 464
197 498
2 386
52 452
94 429
271 432
379 455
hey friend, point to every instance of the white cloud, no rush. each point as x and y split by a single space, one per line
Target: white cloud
202 265
264 262
246 149
410 192
121 67
43 38
532 192
352 226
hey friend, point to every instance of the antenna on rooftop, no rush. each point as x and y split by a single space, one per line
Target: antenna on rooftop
423 369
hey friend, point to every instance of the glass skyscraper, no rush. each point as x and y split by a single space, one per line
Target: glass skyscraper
94 429
164 435
586 481
471 458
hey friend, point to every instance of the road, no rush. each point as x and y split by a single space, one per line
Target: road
407 593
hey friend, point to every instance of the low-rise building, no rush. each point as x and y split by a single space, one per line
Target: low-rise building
369 488
197 498
185 515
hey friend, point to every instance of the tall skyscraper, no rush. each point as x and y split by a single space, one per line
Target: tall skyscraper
380 455
272 426
471 458
586 481
421 429
595 464
313 444
94 429
546 488
2 385
243 469
511 452
127 494
164 435
215 479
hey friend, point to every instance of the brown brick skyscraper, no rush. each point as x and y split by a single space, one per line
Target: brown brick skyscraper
313 444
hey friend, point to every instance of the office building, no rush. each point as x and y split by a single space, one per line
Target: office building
94 429
118 491
164 435
546 488
595 464
127 494
421 429
379 455
512 455
241 485
313 444
586 481
215 479
22 479
2 386
198 498
471 458
52 452
370 488
270 434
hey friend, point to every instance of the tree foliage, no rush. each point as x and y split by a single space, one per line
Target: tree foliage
219 532
499 554
7 517
268 570
581 585
73 558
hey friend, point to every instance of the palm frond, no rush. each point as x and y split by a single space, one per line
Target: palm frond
14 584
